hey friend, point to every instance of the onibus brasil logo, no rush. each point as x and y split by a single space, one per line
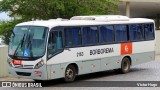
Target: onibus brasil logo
21 84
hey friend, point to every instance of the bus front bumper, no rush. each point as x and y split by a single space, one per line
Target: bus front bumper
37 74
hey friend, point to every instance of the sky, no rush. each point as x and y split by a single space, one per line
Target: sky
4 16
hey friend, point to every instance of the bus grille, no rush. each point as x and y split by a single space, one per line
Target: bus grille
24 66
23 73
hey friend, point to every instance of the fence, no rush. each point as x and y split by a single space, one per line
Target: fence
3 55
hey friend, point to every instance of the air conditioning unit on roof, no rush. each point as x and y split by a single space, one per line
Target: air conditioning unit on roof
102 18
58 19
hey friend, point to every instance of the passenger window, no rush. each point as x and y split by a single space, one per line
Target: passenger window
136 32
73 36
124 33
94 35
133 32
118 33
55 43
68 37
149 31
106 34
77 40
121 33
140 32
86 35
90 35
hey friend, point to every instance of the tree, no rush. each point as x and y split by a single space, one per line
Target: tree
7 25
47 9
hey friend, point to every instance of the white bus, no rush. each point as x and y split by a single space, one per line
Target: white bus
57 48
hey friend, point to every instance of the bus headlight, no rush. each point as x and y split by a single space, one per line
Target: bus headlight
39 64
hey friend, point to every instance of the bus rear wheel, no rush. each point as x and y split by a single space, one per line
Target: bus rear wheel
125 66
70 73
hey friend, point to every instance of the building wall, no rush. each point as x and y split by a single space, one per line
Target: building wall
142 1
158 42
3 61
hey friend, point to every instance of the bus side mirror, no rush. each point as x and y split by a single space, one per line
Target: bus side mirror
8 35
10 32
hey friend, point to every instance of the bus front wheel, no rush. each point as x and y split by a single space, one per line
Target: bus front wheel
70 73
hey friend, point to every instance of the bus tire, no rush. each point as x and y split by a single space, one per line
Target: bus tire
70 73
125 65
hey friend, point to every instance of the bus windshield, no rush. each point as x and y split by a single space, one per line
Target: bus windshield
28 41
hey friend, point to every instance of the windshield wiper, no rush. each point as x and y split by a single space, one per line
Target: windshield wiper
20 43
29 45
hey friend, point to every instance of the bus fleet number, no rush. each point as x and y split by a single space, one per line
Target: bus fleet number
79 54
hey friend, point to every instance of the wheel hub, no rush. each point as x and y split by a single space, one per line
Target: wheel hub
69 73
126 65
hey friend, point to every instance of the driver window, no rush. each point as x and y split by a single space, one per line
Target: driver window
55 43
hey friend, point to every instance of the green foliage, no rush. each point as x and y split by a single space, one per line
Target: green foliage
47 9
7 25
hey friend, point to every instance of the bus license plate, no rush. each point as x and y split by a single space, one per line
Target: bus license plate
17 62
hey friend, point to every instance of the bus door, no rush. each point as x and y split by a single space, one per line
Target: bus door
55 47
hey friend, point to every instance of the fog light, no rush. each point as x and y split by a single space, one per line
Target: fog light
38 72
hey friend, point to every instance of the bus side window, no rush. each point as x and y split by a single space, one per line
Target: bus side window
110 34
124 33
118 33
149 31
68 37
140 32
132 32
94 35
86 35
106 34
90 35
121 33
73 36
77 40
103 34
136 32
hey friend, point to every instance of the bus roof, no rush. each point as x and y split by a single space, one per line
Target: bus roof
92 20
